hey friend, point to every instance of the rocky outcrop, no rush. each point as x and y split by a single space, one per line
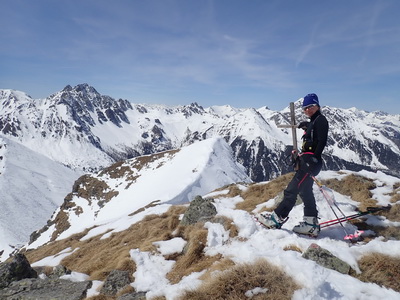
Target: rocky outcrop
46 289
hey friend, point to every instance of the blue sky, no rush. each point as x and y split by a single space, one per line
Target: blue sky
245 53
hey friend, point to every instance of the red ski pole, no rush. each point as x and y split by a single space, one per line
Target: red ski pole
331 201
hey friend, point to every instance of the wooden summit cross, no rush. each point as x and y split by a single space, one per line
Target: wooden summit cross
293 126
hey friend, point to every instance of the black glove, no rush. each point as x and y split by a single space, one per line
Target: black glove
303 125
308 162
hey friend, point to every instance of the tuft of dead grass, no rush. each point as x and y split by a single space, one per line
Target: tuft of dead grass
355 186
381 269
218 266
233 283
260 192
293 248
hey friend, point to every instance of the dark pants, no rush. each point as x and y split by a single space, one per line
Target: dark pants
301 184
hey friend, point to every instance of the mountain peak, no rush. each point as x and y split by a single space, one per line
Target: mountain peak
82 89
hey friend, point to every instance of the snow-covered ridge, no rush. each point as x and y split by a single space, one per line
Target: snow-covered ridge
172 177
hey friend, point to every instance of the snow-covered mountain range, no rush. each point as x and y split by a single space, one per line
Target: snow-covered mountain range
85 130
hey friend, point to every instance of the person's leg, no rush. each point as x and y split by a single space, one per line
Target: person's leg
310 225
278 216
307 195
290 195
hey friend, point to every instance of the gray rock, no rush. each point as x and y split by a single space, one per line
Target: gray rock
18 268
45 289
199 210
115 282
326 259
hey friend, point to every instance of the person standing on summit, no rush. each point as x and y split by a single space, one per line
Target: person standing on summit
309 163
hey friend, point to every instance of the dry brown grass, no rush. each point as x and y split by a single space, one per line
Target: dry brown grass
233 191
235 282
218 266
124 168
89 187
188 262
381 269
97 257
193 258
261 192
393 214
54 248
355 186
228 224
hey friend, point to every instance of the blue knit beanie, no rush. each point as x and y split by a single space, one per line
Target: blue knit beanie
310 99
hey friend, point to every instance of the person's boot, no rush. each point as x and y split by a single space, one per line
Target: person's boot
270 220
309 226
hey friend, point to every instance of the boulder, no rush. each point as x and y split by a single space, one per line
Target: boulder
326 259
18 268
199 210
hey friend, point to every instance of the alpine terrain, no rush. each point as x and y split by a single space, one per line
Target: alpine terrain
145 228
107 199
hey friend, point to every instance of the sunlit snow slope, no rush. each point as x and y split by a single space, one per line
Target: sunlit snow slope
32 186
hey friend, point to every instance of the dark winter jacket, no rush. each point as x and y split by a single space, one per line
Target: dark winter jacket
316 135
